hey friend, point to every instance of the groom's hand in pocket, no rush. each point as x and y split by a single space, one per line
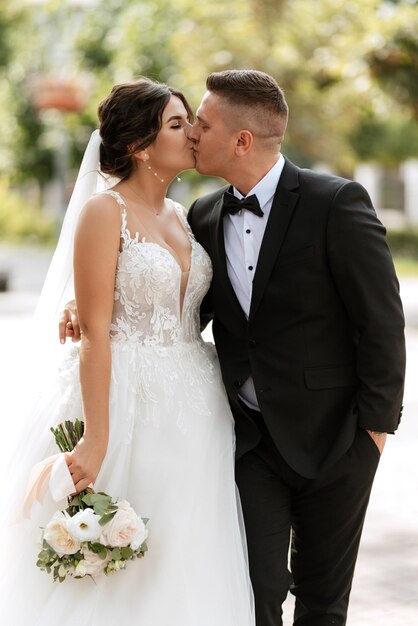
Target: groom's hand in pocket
379 439
68 323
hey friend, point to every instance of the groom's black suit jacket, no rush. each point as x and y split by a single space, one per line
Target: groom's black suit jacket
324 341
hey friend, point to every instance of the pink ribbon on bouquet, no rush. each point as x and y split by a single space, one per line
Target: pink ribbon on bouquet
53 474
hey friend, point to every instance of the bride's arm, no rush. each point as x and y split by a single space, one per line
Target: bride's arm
95 256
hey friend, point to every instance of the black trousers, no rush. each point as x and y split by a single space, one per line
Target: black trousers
322 518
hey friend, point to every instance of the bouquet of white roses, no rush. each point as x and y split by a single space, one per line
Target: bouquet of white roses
94 535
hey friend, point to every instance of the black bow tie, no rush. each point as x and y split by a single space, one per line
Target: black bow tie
233 205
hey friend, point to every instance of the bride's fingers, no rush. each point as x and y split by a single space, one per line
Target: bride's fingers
82 484
75 472
81 475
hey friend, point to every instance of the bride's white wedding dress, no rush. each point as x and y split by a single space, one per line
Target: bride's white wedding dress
170 453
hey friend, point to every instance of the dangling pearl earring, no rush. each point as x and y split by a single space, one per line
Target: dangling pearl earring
146 157
178 179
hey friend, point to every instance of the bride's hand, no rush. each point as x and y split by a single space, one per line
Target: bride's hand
85 461
68 323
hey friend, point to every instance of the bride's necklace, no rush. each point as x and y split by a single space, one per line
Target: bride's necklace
156 212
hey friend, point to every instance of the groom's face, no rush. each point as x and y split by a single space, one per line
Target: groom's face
214 142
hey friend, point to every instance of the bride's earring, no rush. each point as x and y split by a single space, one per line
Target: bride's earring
146 158
178 179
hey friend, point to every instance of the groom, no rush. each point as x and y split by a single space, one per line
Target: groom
309 329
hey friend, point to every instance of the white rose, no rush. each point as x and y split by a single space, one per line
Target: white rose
123 527
57 535
92 563
140 536
80 569
84 526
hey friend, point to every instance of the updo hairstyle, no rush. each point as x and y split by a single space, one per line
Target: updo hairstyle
130 120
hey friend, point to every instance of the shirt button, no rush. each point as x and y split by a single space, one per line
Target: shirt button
248 231
250 267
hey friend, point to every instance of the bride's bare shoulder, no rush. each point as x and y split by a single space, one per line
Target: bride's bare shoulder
102 207
99 223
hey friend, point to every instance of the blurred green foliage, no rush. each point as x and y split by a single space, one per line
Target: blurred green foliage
395 64
349 70
404 243
23 222
330 61
387 144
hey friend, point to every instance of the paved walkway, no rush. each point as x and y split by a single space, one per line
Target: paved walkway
385 590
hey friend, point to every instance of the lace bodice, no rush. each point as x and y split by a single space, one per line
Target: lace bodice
154 303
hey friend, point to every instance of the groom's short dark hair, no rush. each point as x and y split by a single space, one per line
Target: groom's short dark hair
248 87
251 90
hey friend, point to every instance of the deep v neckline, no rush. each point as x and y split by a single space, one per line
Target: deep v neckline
189 239
184 285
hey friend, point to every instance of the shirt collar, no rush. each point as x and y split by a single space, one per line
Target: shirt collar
266 187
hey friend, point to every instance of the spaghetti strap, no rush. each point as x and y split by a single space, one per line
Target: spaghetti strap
124 232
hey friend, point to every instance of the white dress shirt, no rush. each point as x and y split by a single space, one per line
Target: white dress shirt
243 234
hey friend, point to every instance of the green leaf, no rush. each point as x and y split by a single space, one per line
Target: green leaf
75 500
126 552
47 547
101 503
116 554
95 547
106 518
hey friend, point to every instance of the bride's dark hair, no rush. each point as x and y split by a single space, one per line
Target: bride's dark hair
130 120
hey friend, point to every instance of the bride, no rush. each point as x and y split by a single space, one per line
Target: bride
158 428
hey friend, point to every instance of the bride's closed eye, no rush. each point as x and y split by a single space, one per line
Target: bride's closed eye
181 124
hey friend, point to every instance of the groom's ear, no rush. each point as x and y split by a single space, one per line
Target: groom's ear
244 142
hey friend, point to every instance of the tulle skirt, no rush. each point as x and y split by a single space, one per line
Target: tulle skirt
171 455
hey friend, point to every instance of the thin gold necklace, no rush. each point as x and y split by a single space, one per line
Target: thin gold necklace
156 213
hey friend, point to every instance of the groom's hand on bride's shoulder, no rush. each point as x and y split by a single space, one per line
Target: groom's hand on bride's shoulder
68 323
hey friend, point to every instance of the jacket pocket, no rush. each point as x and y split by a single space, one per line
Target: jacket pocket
330 377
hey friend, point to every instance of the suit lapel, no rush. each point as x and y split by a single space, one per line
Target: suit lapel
219 259
284 202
